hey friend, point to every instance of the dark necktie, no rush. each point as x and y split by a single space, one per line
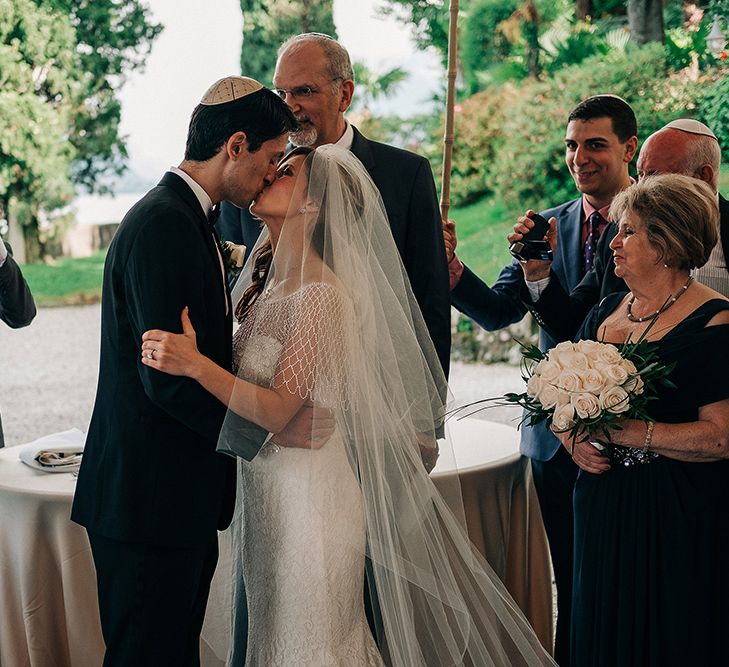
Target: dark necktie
213 215
593 234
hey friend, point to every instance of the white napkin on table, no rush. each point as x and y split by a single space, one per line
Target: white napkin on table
58 452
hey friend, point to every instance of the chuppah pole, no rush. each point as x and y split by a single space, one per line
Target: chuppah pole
445 194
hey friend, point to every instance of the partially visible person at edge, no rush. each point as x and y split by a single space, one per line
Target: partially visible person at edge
17 308
600 142
683 146
314 76
651 532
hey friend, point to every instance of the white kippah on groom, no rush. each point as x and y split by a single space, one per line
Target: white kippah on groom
229 89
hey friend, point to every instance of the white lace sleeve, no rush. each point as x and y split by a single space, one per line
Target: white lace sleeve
314 359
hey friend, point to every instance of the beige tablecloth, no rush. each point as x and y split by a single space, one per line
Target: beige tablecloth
48 607
48 611
502 513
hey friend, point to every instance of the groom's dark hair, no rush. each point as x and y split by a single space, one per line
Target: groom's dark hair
262 115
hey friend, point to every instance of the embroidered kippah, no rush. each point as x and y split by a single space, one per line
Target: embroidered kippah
228 89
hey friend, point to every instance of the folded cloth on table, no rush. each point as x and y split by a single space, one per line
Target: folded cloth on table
58 452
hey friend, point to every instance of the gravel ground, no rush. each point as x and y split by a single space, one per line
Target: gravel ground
48 375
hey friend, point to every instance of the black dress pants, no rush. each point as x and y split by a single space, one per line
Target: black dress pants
555 482
152 601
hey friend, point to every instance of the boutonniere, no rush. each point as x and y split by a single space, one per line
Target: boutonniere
233 256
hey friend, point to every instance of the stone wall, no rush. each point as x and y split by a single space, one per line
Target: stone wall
86 240
471 343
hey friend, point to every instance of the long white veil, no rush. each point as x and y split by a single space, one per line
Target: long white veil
358 347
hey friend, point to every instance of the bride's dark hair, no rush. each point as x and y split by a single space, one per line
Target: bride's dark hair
262 258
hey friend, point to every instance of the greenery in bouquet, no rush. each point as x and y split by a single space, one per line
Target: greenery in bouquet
588 387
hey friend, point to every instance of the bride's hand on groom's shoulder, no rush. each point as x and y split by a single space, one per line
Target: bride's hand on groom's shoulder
175 354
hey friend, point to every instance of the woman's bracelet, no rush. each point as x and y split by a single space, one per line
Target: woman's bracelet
648 436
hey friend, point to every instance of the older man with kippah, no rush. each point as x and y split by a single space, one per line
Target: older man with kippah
684 146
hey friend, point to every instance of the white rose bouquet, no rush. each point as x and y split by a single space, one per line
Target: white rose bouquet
588 386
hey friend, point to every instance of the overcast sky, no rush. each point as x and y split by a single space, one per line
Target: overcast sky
199 45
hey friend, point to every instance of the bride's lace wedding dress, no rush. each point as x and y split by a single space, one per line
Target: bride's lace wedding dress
300 512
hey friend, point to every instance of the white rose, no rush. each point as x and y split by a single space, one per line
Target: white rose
576 361
564 417
608 354
548 370
586 405
237 253
561 353
549 396
634 385
615 400
569 381
616 374
534 385
588 347
593 380
629 366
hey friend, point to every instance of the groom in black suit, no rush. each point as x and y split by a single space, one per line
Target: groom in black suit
152 491
314 76
17 308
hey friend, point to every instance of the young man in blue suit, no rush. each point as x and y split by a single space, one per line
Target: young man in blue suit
314 76
600 142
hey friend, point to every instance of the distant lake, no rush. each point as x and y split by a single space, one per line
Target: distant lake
104 209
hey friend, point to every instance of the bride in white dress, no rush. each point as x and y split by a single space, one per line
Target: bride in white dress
328 317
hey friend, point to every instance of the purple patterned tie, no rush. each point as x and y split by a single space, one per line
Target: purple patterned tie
593 234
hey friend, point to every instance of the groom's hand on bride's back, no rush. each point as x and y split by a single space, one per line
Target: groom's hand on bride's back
310 428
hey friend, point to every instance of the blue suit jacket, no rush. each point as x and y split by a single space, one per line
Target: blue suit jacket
499 306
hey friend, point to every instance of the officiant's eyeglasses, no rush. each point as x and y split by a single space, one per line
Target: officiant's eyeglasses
301 92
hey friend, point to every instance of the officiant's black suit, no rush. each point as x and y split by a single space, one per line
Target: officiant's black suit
152 490
405 182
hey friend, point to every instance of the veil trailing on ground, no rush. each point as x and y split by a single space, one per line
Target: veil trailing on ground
356 344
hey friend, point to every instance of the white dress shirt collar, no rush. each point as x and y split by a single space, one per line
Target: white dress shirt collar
345 141
3 253
205 202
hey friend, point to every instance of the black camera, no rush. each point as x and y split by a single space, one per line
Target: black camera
533 245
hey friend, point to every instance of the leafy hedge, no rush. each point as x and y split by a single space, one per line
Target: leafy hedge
509 139
714 111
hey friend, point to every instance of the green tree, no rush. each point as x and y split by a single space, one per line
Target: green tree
36 65
113 38
645 18
269 23
62 63
428 20
372 85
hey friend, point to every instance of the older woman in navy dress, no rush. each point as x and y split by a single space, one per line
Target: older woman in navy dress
651 529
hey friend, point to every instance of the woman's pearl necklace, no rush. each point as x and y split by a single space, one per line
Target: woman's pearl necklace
662 309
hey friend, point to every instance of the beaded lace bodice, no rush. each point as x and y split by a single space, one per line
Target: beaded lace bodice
302 545
295 341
